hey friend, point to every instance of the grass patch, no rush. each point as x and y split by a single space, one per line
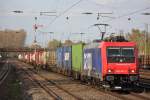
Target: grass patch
14 90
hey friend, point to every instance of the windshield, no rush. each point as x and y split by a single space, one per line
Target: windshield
129 52
113 51
120 55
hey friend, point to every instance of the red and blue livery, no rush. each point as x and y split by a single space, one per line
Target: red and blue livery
115 64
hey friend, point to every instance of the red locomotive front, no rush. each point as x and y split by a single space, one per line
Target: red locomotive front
120 64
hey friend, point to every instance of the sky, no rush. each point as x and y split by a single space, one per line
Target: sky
77 22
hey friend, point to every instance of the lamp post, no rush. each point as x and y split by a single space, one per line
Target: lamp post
35 28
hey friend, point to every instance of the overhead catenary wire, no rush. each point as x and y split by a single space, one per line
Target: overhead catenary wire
65 11
125 15
117 17
129 14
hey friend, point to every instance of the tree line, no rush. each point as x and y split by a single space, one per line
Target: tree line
142 39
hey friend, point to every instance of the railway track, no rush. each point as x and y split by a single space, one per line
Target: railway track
64 88
49 84
133 96
145 79
43 86
124 95
52 82
4 72
144 83
129 96
139 96
47 89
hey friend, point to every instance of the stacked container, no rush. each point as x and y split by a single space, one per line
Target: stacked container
59 59
67 60
23 57
77 60
92 60
20 57
27 57
45 57
30 60
52 59
39 59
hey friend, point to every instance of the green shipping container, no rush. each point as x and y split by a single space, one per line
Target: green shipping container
77 57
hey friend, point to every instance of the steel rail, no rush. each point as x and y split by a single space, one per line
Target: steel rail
4 72
43 86
59 87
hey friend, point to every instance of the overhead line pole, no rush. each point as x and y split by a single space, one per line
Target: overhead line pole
35 28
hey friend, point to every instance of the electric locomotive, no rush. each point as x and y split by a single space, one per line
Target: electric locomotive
115 64
120 64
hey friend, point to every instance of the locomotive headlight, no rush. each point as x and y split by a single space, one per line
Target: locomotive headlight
109 71
132 71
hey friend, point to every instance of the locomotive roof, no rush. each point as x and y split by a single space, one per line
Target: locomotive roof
99 44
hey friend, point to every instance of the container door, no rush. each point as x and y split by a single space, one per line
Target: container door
59 57
77 57
67 58
88 62
97 62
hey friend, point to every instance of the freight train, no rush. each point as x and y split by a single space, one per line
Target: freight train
108 64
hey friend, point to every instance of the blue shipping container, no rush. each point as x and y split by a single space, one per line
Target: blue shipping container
87 62
93 62
67 58
59 57
97 63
